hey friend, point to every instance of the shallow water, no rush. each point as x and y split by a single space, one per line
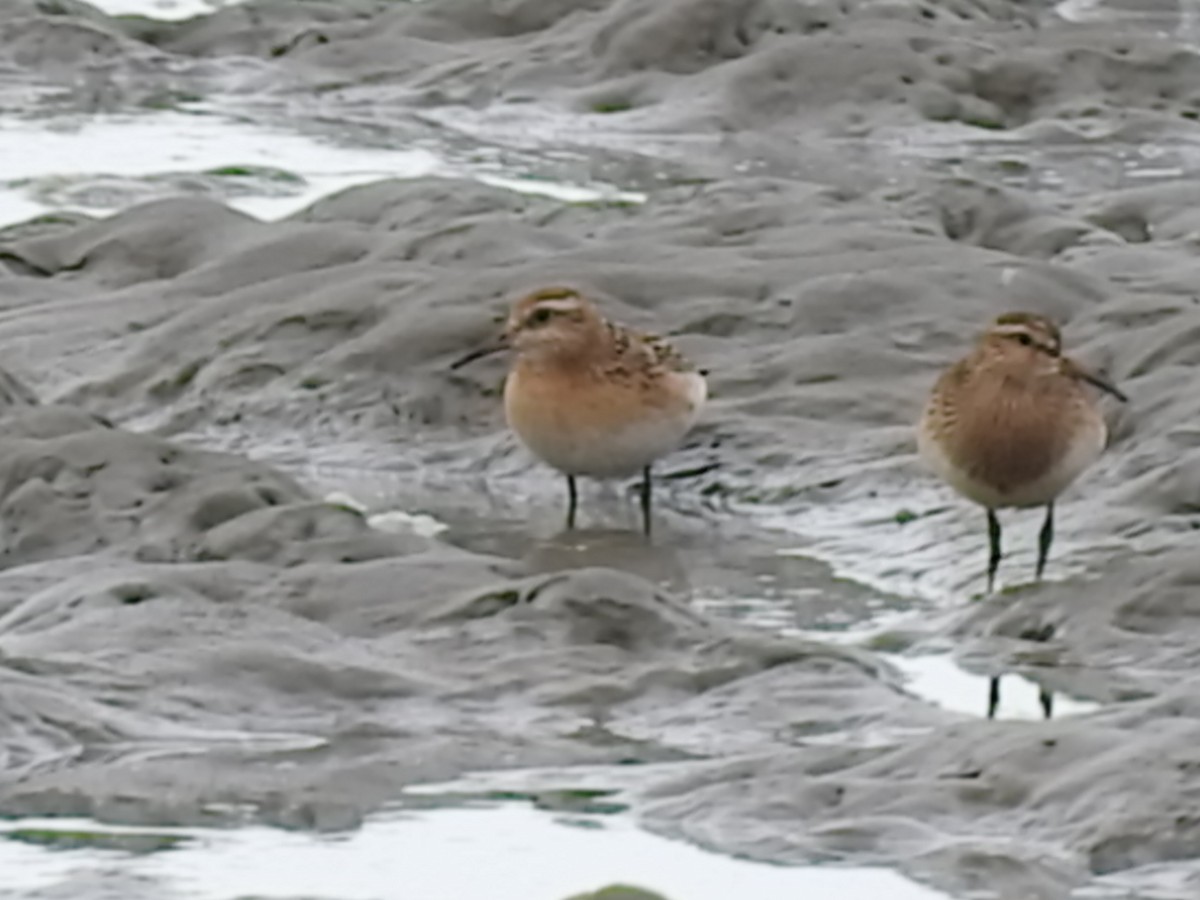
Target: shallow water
781 591
501 851
100 164
162 9
942 682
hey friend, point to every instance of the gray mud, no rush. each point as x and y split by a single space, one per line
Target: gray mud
837 196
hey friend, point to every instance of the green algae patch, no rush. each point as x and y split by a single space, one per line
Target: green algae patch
619 892
264 173
578 800
128 842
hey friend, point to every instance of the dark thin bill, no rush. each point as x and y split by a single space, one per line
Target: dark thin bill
1106 386
477 354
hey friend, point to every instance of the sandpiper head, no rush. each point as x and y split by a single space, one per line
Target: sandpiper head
1035 341
553 321
1031 333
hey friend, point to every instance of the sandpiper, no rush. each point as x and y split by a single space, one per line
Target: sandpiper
591 397
1012 424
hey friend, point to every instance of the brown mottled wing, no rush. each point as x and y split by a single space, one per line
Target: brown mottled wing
634 351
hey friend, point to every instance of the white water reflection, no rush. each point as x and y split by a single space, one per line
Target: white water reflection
41 164
939 679
1163 18
102 163
162 9
500 852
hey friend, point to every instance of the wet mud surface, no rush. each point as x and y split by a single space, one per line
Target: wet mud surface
266 559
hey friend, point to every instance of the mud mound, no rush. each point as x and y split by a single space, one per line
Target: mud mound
73 486
257 670
690 65
700 63
957 803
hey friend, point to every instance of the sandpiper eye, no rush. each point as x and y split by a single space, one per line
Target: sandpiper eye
1025 339
540 316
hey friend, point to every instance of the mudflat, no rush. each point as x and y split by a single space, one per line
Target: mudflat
820 203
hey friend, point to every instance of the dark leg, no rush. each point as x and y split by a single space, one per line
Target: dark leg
993 565
646 500
572 501
993 548
1047 700
1045 536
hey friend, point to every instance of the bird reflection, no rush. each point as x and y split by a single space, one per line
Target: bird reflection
1045 698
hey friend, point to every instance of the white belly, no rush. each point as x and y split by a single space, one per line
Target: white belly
613 455
619 448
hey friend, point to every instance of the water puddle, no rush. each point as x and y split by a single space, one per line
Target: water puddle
162 9
930 565
782 591
101 164
1165 19
938 679
482 851
132 159
839 610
